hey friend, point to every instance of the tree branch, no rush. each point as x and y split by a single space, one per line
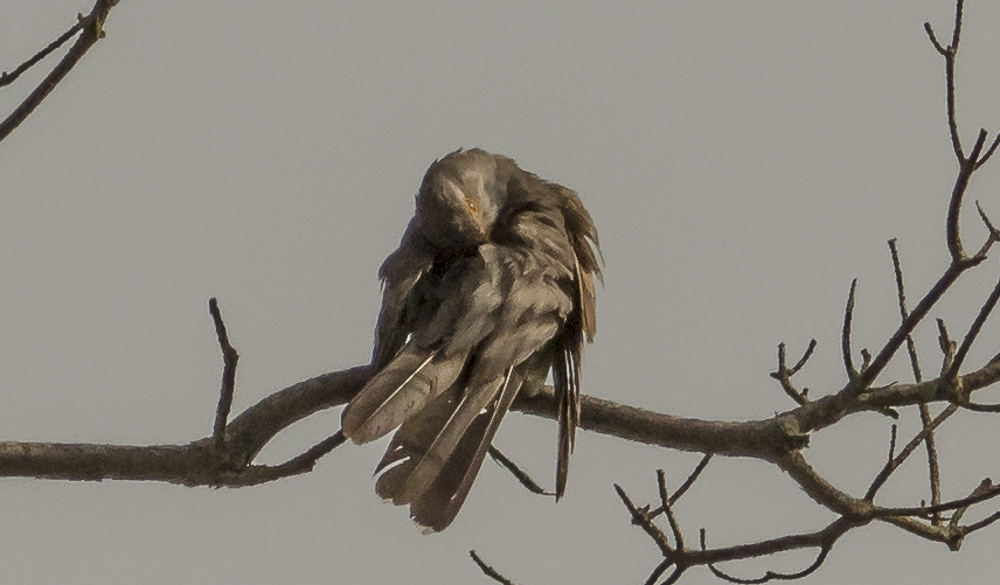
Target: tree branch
92 27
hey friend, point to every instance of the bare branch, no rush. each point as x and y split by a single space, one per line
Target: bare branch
977 326
845 339
994 232
953 231
686 485
985 491
230 357
947 345
304 463
975 407
956 34
522 476
949 53
989 153
823 539
981 489
933 468
774 575
489 571
895 461
92 27
659 570
661 481
903 313
9 78
981 524
641 517
887 469
784 374
691 478
910 323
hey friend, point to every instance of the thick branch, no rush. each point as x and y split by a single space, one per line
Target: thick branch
770 439
199 462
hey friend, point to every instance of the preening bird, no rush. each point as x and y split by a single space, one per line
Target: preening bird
490 289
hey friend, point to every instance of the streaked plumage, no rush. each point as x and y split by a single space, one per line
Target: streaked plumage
491 287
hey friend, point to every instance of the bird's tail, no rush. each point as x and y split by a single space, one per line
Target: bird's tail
405 385
437 453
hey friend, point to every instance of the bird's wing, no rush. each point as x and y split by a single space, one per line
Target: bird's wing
400 273
563 234
566 373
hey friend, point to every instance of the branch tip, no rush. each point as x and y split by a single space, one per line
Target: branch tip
488 570
230 357
522 476
845 340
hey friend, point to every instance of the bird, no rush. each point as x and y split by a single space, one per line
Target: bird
490 290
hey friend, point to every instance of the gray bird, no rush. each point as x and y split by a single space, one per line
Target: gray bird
490 289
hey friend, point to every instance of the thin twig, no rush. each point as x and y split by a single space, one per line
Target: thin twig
981 489
304 463
981 524
947 345
953 227
661 481
774 575
903 313
928 301
686 485
994 233
691 478
949 53
934 41
923 511
230 357
933 468
977 326
989 153
956 34
845 340
663 566
784 374
895 462
92 27
887 469
9 78
976 407
824 540
640 516
488 570
522 476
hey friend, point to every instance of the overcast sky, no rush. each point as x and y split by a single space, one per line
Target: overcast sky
743 162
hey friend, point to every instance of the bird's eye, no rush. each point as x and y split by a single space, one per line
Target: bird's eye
472 204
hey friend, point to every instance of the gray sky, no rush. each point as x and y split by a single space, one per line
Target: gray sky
743 161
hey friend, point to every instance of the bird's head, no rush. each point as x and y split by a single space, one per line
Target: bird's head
460 199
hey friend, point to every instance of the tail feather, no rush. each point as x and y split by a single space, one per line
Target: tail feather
437 507
566 377
410 442
473 401
401 388
441 450
566 372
